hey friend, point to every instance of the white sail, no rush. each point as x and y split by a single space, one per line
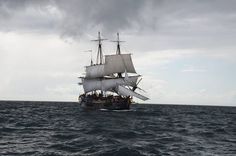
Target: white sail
118 64
113 64
106 84
109 84
127 92
91 84
95 71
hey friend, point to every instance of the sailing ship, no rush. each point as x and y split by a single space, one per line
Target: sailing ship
107 84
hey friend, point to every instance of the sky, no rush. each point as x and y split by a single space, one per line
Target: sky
185 50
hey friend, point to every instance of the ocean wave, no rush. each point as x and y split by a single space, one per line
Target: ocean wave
33 128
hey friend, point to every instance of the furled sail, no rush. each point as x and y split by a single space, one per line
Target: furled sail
95 71
118 64
127 92
106 84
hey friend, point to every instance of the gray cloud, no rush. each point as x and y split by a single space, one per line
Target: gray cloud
75 17
69 18
109 16
171 23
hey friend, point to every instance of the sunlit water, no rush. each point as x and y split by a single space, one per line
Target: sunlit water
36 128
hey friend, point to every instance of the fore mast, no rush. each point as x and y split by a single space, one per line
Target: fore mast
99 53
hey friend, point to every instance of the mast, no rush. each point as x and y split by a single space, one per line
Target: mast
99 54
118 44
118 52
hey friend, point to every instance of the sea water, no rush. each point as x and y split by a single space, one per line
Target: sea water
57 128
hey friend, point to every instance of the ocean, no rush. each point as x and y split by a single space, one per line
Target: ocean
62 128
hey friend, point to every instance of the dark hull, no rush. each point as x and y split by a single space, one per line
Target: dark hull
109 103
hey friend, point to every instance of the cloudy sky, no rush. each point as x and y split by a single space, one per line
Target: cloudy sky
185 50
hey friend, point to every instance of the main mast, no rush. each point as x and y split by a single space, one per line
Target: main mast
118 52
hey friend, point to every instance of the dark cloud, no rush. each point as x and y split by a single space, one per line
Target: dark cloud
75 17
109 16
69 18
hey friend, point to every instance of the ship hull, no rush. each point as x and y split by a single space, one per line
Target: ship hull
109 103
